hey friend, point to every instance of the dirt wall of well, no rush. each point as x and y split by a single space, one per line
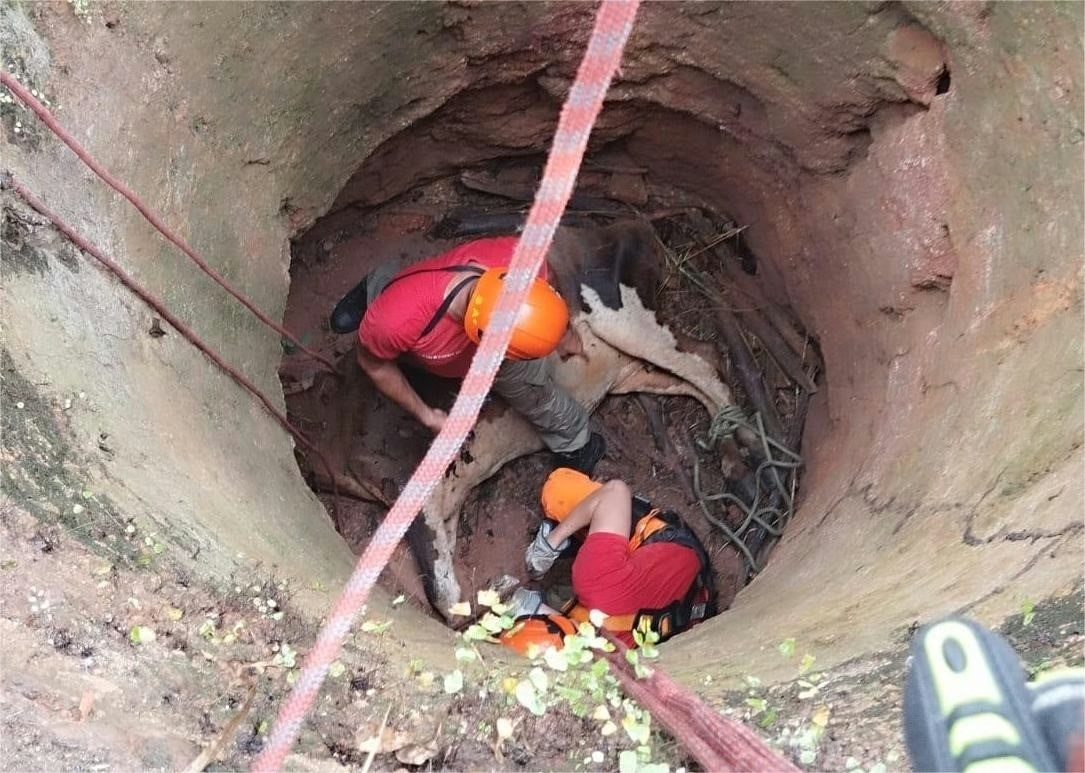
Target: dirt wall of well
910 174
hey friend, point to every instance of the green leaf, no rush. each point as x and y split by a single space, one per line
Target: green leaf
787 648
286 657
336 670
627 761
807 756
637 732
453 682
141 634
571 694
757 704
539 678
465 655
487 598
1028 612
492 623
768 720
398 600
528 697
806 664
478 633
752 681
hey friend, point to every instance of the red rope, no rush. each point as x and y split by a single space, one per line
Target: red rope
715 741
187 332
47 118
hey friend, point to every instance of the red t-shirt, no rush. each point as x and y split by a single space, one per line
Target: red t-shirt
610 578
393 324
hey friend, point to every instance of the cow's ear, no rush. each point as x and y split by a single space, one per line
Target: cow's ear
570 344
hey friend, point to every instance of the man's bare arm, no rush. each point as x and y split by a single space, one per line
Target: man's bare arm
607 509
391 382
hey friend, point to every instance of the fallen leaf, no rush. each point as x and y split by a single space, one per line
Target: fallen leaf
173 613
597 618
627 761
462 609
555 659
141 634
492 623
398 600
529 698
370 626
336 670
601 713
488 598
539 678
379 741
806 664
453 682
417 754
787 648
821 717
637 732
504 728
465 655
608 729
86 705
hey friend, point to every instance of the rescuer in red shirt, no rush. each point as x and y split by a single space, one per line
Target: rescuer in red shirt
640 566
426 315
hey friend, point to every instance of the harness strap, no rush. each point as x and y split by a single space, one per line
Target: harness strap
475 271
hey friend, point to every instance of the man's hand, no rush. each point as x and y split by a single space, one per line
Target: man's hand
540 554
434 420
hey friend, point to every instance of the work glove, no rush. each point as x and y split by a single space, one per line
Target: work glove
540 556
966 704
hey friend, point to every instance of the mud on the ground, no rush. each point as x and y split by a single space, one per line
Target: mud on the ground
852 717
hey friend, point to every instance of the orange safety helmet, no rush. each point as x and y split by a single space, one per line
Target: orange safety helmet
540 324
564 490
534 633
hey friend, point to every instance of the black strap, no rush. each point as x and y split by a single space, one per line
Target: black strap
475 271
445 305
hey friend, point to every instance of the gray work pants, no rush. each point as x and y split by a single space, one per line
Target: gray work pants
529 389
526 385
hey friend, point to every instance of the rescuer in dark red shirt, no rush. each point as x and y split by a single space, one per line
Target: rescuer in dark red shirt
641 567
418 315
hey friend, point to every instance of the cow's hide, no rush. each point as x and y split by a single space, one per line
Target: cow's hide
626 350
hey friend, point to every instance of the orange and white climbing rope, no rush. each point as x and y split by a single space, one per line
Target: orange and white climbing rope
613 23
